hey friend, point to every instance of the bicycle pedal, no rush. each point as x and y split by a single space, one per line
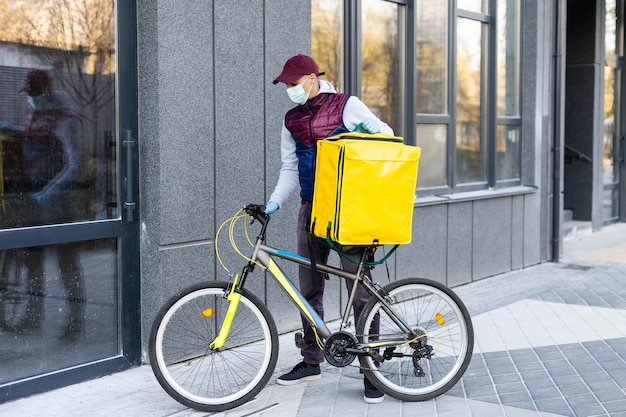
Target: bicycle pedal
376 356
299 339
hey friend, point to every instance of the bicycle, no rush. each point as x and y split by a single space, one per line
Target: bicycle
214 345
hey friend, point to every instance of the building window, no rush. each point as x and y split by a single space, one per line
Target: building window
471 101
382 61
468 92
60 299
432 95
464 88
369 55
327 39
508 118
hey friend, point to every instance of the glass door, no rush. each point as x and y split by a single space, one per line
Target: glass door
613 107
63 281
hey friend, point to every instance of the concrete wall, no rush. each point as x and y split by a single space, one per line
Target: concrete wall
210 120
209 131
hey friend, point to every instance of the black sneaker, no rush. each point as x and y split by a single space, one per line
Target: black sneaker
300 373
372 395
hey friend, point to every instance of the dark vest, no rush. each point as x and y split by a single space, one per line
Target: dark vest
318 118
37 157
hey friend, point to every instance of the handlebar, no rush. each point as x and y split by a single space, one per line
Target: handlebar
257 211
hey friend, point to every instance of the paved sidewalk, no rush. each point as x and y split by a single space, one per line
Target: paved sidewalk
550 341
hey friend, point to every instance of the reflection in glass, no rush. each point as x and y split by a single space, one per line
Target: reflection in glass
57 74
327 39
433 167
432 57
611 170
610 204
58 307
613 73
58 303
508 65
382 84
507 152
478 6
471 149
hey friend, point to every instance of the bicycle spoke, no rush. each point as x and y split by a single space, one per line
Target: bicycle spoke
430 361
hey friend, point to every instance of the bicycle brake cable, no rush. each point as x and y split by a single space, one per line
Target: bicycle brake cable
231 221
217 235
231 233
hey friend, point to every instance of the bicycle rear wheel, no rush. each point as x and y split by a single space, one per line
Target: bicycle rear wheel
194 374
430 363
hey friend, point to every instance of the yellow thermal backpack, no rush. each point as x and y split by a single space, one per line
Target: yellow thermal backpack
364 189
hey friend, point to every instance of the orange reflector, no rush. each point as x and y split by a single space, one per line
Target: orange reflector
440 319
207 313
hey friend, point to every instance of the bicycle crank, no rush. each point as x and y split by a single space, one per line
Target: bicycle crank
339 349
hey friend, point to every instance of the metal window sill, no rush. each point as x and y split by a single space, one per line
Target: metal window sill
473 195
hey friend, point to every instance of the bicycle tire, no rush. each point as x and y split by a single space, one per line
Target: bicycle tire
433 310
205 379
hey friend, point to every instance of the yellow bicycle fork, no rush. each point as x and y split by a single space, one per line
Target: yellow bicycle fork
233 297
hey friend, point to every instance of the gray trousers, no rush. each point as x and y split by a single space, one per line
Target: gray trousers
312 285
28 213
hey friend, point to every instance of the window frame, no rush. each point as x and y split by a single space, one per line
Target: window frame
491 118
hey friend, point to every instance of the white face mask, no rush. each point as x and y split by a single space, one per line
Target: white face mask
297 93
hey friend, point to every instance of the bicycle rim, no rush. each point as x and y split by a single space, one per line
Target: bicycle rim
442 322
202 378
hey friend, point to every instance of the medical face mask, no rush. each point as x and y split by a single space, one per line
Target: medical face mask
297 93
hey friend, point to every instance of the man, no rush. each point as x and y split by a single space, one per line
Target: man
45 179
320 112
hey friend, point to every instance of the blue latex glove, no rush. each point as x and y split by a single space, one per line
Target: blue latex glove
371 125
271 207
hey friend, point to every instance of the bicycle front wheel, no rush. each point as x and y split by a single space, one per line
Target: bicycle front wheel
431 360
202 378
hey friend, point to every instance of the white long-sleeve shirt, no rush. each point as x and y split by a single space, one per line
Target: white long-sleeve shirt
354 112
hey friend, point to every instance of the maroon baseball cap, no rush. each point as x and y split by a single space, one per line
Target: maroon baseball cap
296 67
37 82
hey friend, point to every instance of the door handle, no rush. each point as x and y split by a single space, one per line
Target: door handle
129 204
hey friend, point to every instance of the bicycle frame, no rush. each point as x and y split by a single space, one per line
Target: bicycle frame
264 255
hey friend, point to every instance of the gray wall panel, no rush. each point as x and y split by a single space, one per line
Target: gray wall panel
491 237
533 234
459 243
239 119
149 170
426 255
538 120
285 37
517 232
185 121
178 268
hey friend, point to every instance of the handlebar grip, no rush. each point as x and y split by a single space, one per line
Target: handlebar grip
257 211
